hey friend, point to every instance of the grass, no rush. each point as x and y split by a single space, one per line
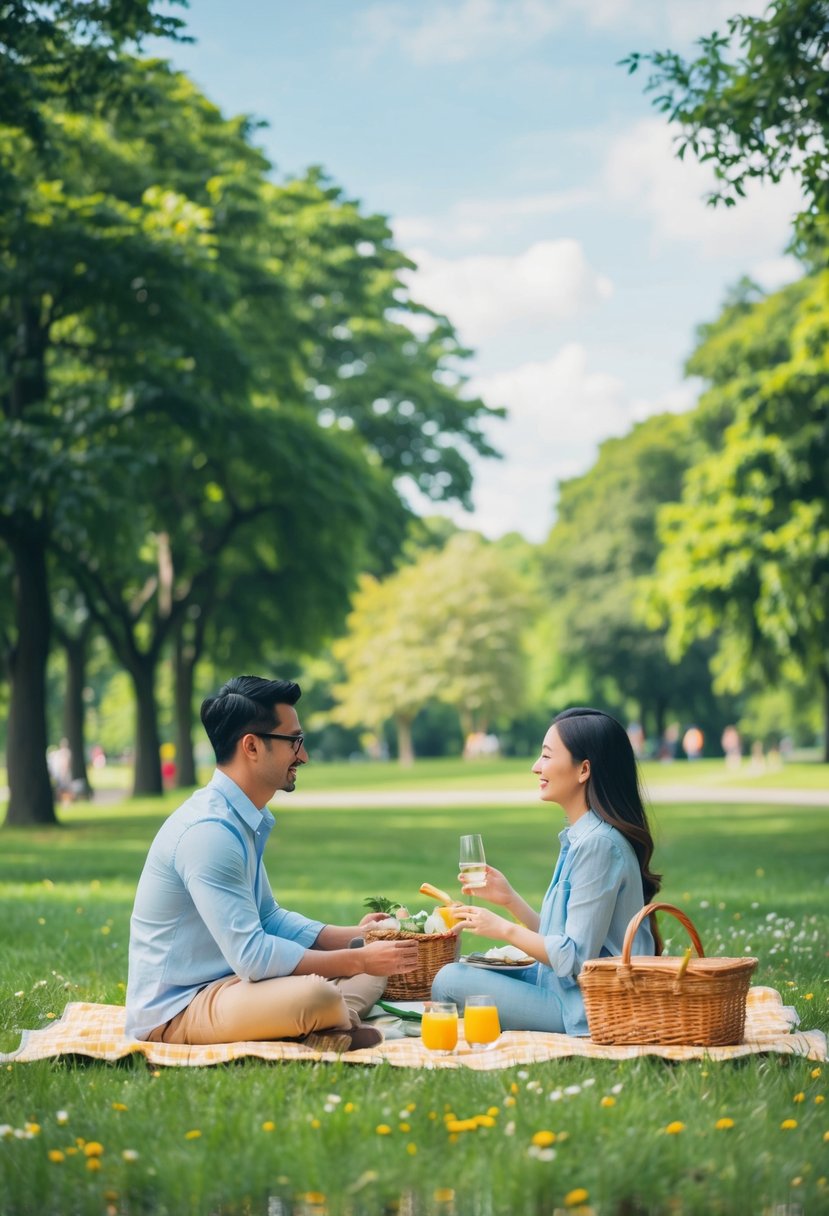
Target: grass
271 1137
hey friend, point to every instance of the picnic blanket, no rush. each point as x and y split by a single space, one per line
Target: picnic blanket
97 1031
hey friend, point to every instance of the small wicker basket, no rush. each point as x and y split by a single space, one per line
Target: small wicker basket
434 950
696 1002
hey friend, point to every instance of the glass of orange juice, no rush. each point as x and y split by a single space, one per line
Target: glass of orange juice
481 1026
439 1027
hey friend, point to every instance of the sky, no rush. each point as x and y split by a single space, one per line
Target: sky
534 184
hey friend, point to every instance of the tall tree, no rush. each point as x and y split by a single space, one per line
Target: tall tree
755 103
746 551
596 562
448 628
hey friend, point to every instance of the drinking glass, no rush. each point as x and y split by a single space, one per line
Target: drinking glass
439 1027
481 1025
472 862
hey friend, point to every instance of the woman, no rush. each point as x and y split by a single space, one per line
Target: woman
601 880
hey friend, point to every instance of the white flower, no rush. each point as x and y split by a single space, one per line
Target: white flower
62 1117
129 1154
335 1098
6 1130
589 1081
573 1089
555 1095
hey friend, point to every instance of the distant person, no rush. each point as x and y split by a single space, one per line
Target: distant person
758 757
669 743
732 747
60 769
636 734
692 742
213 958
602 879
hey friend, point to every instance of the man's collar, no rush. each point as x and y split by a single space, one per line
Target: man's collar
252 815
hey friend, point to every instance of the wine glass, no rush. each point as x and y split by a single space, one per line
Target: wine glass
472 863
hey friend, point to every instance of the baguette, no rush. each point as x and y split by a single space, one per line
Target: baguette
426 888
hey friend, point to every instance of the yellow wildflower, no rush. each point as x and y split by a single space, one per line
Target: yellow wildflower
444 1194
93 1163
193 1134
607 1100
801 1097
493 1110
673 1129
509 1101
268 1125
461 1125
724 1125
315 1197
808 996
544 1139
315 1123
514 1087
349 1107
485 1120
411 1149
819 1099
32 1128
575 1197
56 1155
788 1125
93 1149
119 1106
814 1074
383 1129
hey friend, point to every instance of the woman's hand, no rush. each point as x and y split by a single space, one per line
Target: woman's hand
496 888
481 920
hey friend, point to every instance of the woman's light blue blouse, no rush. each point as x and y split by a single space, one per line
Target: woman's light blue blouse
595 892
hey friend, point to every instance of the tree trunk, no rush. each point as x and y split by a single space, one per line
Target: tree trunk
31 802
405 747
824 679
73 709
184 669
147 778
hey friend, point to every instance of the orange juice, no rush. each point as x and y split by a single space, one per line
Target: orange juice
439 1029
481 1024
446 916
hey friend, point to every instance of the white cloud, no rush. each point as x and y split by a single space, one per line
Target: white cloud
473 220
452 32
677 20
488 294
559 412
643 172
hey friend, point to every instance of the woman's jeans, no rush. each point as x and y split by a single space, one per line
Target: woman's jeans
522 1005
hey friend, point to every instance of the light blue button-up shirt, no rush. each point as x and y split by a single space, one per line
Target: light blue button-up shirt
595 892
204 908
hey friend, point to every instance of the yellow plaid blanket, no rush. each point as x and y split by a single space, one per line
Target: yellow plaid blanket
98 1031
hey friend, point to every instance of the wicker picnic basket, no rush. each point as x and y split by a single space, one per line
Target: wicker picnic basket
434 950
697 1002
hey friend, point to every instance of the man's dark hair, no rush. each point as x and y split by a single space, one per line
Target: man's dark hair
242 705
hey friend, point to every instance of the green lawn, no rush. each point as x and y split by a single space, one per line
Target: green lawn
753 880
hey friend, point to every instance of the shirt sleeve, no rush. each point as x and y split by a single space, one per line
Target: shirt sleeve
595 879
211 862
280 922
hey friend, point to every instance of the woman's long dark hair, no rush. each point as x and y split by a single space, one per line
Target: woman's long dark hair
613 789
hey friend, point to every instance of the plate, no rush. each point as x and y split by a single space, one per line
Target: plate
496 964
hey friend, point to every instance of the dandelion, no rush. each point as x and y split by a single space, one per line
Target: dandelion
514 1087
268 1125
32 1128
193 1134
316 1198
493 1111
788 1125
544 1139
405 1127
607 1100
575 1197
814 1074
819 1099
724 1125
119 1106
444 1194
315 1123
349 1108
826 1137
411 1149
808 996
93 1149
56 1155
93 1163
674 1129
801 1097
383 1129
485 1120
129 1155
509 1101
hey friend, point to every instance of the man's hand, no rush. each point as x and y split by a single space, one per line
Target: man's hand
372 918
390 957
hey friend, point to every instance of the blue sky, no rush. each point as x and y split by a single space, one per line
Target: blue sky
533 183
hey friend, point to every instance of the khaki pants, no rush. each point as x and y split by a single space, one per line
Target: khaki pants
287 1007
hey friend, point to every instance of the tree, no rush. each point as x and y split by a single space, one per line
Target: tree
596 561
446 628
746 551
755 103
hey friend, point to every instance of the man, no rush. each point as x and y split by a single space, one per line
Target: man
213 958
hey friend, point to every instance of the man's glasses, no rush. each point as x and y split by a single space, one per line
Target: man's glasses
297 740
